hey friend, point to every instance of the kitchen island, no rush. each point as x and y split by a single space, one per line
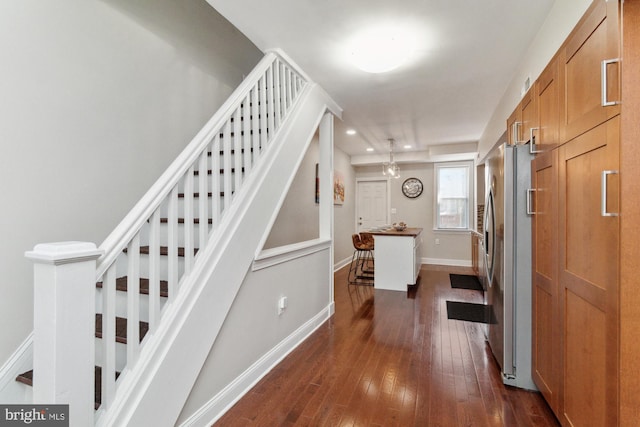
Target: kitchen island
398 258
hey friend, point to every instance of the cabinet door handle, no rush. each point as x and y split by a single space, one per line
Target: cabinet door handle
515 132
604 80
603 193
532 141
530 192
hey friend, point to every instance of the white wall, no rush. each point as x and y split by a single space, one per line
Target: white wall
98 97
454 247
561 19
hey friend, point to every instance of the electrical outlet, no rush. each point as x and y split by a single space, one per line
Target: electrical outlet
394 210
437 241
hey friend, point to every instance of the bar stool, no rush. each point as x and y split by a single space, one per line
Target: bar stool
362 265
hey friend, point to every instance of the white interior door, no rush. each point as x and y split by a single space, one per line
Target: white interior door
372 207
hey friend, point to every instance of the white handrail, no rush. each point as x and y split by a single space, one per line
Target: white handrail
133 221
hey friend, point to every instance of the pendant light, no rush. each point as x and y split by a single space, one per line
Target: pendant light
391 168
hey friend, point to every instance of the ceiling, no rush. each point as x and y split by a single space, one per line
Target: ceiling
439 101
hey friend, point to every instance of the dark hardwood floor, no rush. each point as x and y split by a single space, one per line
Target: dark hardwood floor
391 358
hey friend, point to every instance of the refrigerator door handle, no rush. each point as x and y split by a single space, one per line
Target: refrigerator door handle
530 192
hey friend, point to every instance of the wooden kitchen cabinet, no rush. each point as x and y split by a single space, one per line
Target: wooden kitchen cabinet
546 319
585 302
589 238
593 42
548 91
514 127
529 114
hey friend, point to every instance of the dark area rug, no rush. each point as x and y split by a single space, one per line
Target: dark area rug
463 281
470 312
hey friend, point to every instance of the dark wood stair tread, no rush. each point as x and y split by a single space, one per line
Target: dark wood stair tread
121 285
27 378
121 328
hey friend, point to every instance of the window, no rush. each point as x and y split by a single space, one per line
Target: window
454 183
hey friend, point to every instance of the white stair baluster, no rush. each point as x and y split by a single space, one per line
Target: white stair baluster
154 270
172 243
203 214
188 218
246 139
133 300
215 180
255 123
277 94
237 149
108 337
263 112
226 167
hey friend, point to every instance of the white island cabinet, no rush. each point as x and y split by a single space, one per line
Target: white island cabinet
398 258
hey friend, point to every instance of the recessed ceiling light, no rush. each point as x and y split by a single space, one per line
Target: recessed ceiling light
407 146
381 49
369 149
351 132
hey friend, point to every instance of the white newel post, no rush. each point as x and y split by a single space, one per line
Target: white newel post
64 327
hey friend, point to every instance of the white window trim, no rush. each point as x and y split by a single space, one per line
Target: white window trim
471 172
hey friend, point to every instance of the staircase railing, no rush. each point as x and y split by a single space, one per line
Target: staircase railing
216 162
155 247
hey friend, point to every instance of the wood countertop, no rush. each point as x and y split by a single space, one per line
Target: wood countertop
412 232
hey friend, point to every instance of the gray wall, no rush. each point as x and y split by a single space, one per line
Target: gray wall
298 219
98 97
454 247
344 215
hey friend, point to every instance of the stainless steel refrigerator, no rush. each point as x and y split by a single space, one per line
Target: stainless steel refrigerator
507 246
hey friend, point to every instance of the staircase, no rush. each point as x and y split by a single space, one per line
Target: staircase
179 257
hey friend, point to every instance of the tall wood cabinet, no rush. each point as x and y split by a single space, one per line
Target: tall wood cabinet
586 226
546 320
588 258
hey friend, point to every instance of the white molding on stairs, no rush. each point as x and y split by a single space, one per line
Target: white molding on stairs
20 361
235 390
270 257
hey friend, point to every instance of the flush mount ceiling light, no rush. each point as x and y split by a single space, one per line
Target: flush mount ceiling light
351 132
391 168
381 49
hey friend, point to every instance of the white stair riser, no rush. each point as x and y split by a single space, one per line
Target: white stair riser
164 234
121 268
121 304
164 210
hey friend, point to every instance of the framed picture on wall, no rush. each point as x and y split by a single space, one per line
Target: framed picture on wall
338 188
317 185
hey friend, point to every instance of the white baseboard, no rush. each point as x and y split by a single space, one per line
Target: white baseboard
451 262
337 266
11 392
227 397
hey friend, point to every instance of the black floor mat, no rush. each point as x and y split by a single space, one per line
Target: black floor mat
463 281
470 312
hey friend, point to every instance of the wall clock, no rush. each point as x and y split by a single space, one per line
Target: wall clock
412 187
